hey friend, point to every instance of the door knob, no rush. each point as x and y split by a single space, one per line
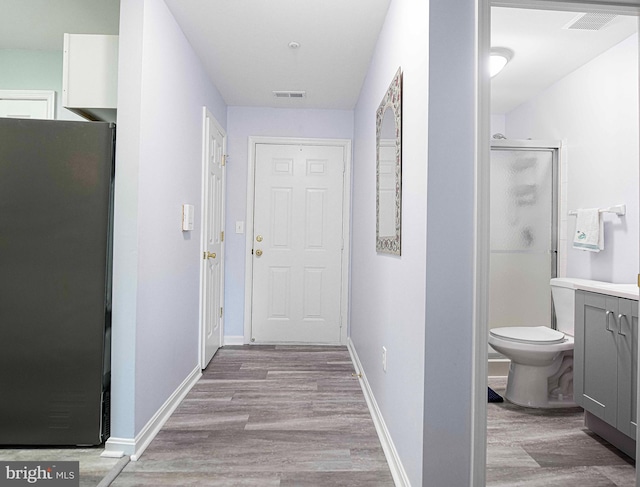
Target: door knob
259 238
258 252
210 255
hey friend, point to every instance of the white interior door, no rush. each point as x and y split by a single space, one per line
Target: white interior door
213 239
297 243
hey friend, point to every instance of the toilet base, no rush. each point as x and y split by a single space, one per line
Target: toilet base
528 386
550 404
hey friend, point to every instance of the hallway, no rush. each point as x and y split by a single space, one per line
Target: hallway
268 416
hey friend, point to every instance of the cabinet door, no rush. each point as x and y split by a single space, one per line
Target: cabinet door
627 318
595 355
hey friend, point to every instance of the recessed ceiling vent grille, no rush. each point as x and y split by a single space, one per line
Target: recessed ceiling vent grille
591 21
290 94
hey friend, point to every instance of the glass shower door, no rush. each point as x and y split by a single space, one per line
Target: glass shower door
523 234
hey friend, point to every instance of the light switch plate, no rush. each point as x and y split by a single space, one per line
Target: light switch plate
187 218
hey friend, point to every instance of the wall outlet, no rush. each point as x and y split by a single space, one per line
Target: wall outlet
384 359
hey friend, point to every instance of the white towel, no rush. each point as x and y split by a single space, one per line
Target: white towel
589 230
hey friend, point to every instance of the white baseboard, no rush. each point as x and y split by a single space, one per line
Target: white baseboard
234 340
498 367
134 447
398 472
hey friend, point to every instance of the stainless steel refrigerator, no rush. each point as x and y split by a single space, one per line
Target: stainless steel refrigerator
56 199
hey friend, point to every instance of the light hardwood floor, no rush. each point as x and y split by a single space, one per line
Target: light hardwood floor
268 416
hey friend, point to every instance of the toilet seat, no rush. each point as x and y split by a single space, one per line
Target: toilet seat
535 335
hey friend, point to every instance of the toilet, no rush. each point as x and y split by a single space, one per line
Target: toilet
541 370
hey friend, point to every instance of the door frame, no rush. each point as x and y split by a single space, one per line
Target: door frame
207 116
346 224
482 145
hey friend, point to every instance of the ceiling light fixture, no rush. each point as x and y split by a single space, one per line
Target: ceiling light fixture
294 45
500 56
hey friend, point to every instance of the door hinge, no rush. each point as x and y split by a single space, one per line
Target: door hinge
224 160
638 280
222 236
221 312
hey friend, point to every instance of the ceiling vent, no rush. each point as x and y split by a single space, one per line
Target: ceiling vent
591 21
290 94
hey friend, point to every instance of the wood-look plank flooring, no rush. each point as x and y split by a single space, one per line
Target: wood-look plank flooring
542 447
93 467
268 416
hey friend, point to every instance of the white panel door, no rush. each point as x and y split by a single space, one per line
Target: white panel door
297 243
213 215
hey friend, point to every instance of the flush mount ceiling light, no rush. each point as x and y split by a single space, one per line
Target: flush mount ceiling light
294 45
500 56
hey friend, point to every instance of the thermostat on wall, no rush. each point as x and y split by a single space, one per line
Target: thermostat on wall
187 218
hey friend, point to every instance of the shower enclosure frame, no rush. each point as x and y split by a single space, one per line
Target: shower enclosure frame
554 146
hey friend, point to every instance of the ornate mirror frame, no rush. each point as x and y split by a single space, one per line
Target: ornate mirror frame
389 173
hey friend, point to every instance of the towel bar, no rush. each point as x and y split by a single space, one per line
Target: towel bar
619 210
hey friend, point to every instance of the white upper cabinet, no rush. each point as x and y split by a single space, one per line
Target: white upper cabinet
90 75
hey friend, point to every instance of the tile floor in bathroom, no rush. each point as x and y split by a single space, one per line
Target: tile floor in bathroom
537 448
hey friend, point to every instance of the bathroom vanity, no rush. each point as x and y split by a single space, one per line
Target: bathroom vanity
606 360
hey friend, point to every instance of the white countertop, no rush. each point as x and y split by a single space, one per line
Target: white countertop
628 291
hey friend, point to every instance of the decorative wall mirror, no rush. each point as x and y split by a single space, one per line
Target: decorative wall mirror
389 168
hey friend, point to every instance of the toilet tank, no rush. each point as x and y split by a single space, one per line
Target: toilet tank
563 291
563 294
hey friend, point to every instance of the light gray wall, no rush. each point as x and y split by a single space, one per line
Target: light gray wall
388 292
162 89
244 122
497 124
449 335
24 69
594 110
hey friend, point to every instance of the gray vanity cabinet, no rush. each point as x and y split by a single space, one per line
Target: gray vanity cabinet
627 318
595 355
606 357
